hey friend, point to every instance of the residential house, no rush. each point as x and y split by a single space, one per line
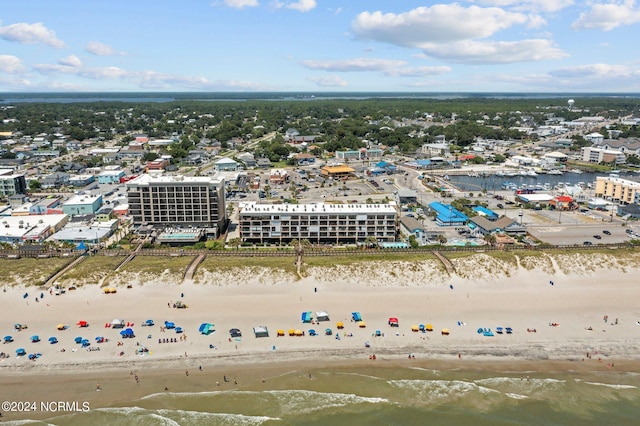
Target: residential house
410 226
55 180
263 163
226 164
247 159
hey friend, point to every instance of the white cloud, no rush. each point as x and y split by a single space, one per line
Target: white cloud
417 71
104 73
328 81
302 5
30 34
500 52
11 64
528 5
456 33
357 64
101 49
71 61
608 16
239 4
442 23
50 69
597 71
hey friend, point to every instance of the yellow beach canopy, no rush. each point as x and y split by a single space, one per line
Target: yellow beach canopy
362 324
429 327
415 328
340 324
445 331
60 326
298 333
292 332
280 332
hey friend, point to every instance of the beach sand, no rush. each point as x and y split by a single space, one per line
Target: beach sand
520 298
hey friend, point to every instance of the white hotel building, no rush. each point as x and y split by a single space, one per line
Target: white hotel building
317 223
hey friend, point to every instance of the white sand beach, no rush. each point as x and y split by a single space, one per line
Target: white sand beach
484 292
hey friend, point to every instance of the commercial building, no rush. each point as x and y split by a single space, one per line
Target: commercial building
362 154
447 215
613 188
20 229
338 172
110 176
82 204
181 201
317 223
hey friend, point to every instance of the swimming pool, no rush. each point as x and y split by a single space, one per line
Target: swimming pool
465 243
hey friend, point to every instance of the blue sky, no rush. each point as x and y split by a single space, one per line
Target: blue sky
320 45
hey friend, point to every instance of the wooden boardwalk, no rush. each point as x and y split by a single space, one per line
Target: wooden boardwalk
446 262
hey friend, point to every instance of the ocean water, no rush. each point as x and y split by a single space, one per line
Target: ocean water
386 396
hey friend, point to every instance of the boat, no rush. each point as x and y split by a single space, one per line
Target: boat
554 172
577 171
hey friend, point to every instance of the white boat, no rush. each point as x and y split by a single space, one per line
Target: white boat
554 172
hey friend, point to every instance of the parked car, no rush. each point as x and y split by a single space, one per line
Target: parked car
606 232
597 237
500 206
588 243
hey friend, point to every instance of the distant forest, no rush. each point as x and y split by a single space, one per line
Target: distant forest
342 123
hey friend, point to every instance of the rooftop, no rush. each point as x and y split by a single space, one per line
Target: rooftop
251 208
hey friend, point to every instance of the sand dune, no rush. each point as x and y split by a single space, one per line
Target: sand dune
485 292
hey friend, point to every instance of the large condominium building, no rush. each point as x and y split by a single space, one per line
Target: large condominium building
317 223
12 183
183 201
619 190
600 155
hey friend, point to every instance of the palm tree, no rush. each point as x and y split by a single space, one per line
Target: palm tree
490 239
370 241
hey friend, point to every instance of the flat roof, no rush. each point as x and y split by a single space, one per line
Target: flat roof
535 197
31 225
147 179
83 199
252 208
